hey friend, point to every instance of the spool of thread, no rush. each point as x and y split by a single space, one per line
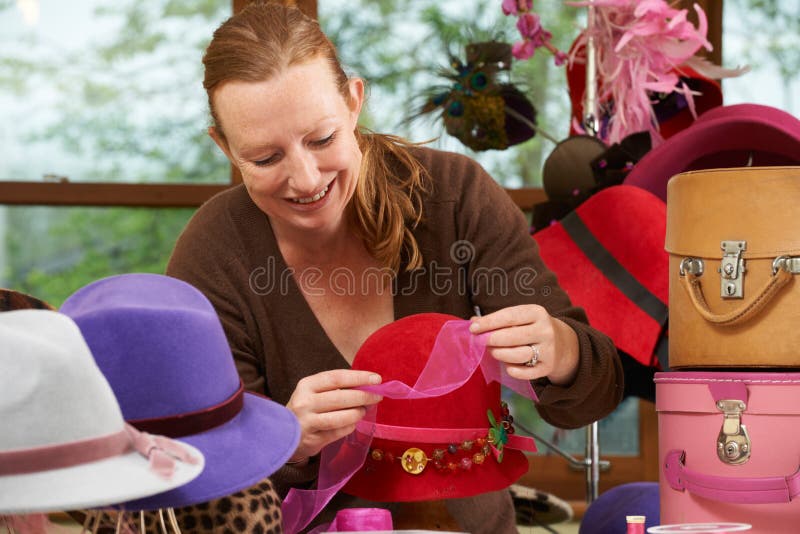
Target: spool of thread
361 519
635 524
697 528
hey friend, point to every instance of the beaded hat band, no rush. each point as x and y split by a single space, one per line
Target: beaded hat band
461 452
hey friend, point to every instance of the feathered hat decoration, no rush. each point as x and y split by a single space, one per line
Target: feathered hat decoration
642 47
478 109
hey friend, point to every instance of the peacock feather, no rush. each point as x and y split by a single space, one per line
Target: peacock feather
475 106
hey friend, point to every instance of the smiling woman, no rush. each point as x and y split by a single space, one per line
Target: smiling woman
322 195
292 137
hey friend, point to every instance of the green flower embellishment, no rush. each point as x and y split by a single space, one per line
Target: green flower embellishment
498 436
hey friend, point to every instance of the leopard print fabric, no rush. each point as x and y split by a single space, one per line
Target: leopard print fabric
256 510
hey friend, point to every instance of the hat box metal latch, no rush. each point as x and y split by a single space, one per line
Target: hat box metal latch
733 442
732 269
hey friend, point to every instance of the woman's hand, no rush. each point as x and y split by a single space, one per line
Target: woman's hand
328 409
530 343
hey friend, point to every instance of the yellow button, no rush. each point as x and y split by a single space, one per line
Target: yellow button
413 461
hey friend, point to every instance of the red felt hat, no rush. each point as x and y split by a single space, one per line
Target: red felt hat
672 112
609 257
429 448
729 136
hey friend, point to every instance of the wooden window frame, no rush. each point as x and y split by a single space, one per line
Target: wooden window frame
547 472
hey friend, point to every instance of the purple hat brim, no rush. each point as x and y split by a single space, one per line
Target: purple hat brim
239 454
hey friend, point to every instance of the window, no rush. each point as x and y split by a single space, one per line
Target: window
49 252
100 91
764 35
102 105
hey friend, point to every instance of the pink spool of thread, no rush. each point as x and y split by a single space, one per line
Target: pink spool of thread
635 524
361 519
698 528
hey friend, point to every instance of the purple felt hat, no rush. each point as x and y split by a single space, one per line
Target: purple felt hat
727 136
162 348
606 515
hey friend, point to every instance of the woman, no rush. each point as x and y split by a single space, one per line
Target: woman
336 232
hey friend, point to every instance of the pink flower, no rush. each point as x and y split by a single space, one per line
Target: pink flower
509 7
542 38
513 7
529 25
560 58
530 28
523 49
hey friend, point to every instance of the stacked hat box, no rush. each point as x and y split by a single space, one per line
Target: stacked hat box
729 408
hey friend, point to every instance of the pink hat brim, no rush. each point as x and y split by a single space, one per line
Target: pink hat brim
729 136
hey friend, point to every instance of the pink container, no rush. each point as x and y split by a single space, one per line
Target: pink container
729 446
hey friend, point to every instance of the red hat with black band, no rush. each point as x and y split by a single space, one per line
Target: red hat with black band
608 255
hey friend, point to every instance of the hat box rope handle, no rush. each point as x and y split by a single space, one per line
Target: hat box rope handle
690 280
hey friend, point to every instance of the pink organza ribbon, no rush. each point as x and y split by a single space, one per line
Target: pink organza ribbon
442 374
162 453
25 523
423 435
32 524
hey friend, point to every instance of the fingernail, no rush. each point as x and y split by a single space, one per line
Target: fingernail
374 379
473 326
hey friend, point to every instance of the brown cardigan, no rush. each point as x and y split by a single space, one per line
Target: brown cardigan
476 250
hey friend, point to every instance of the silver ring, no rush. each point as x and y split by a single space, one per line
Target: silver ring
535 358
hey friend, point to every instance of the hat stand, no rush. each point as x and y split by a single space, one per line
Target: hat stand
591 124
122 522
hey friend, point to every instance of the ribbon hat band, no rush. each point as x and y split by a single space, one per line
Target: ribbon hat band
62 455
187 424
437 435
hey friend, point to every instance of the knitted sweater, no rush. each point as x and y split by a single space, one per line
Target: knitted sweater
476 250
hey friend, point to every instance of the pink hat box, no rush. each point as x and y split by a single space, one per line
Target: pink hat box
729 446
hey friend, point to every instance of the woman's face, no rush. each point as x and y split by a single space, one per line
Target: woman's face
293 139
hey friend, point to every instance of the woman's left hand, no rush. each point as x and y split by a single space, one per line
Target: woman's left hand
531 343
